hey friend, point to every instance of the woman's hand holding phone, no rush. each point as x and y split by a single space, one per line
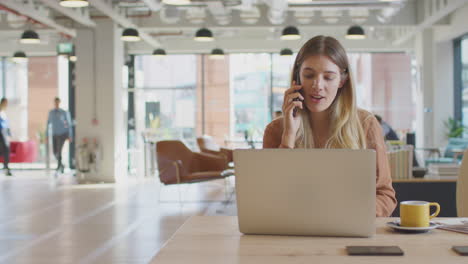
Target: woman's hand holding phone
291 121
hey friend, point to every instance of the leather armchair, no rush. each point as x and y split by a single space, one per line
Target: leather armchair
178 164
208 145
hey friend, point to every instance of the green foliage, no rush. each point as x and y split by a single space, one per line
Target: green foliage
455 128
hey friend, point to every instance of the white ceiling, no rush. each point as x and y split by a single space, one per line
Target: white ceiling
236 24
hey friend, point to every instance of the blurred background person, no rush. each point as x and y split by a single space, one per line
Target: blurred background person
388 131
61 126
4 136
390 134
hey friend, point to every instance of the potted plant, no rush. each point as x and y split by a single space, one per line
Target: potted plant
455 128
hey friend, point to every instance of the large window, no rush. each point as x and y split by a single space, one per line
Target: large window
233 99
461 79
250 87
2 78
281 70
165 100
30 88
16 91
384 86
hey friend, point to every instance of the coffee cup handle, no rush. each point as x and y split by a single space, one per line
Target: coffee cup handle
436 213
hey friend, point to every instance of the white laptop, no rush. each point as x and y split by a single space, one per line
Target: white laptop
311 192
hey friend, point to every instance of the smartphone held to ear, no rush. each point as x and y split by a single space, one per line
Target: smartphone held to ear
298 82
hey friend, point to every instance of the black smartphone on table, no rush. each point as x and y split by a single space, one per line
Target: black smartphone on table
461 250
374 251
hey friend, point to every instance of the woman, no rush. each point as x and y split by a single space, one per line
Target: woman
4 136
319 111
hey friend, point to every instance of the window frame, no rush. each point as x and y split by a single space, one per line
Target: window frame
457 77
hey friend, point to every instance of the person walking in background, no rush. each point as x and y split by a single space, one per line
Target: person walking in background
390 134
61 126
4 136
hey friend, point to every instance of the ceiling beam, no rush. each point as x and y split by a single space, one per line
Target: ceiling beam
154 5
346 5
108 10
265 44
432 15
156 23
34 13
71 13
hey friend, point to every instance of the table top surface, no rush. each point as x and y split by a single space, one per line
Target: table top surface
216 239
423 180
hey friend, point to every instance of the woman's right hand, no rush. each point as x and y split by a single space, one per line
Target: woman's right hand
291 123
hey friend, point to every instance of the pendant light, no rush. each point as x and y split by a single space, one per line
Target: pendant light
286 52
356 32
204 34
19 56
159 53
217 54
30 37
74 3
290 33
130 34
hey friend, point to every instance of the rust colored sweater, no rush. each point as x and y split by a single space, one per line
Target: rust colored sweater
385 194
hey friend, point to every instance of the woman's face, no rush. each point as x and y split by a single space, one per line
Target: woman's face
320 79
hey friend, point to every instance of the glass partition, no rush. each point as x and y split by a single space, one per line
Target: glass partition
250 76
165 96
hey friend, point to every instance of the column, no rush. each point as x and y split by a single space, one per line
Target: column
100 97
424 47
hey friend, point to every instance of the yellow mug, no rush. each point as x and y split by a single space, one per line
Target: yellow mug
417 213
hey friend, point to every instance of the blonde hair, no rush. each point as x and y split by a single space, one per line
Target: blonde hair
346 128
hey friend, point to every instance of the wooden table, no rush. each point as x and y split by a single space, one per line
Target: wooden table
216 239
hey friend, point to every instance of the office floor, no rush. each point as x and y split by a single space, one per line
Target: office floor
47 220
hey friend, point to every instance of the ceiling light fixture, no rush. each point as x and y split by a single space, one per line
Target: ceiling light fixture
299 1
30 37
290 33
130 34
217 54
204 34
159 53
74 3
356 32
286 52
176 2
19 56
